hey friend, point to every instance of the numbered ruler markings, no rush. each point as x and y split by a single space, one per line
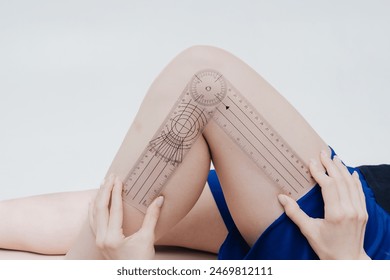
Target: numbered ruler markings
262 144
177 134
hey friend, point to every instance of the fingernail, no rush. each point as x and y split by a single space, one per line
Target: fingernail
282 199
159 201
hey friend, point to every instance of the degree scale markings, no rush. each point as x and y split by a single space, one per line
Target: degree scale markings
256 137
210 96
177 134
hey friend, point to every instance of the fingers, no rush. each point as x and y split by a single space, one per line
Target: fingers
332 170
106 213
359 190
295 213
330 183
318 173
152 215
347 187
342 192
116 209
327 183
106 218
363 215
91 216
101 211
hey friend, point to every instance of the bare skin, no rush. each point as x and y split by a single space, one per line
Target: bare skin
252 197
339 235
106 220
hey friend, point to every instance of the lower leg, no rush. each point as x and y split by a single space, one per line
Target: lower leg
184 186
46 224
249 192
51 223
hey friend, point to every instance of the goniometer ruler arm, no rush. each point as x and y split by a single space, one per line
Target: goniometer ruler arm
209 95
169 146
251 131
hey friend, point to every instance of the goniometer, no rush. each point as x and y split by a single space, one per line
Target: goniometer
166 151
209 96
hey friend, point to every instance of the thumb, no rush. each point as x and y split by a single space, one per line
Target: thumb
295 213
152 215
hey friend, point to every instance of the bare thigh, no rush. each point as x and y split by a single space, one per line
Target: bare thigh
189 217
201 229
250 194
183 188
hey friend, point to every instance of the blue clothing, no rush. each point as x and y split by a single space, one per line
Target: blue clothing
282 240
378 178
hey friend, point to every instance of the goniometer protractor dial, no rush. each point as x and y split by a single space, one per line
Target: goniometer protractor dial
188 122
208 88
179 133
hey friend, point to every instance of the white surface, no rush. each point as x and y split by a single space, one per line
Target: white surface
73 73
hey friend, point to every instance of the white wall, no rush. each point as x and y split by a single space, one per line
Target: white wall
73 73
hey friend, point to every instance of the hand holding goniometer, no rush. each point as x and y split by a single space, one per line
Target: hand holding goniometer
340 235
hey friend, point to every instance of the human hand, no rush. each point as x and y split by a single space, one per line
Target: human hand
106 218
340 235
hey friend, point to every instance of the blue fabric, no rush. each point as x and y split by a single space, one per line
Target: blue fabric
283 239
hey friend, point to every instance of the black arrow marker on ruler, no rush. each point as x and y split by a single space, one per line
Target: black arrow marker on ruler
226 106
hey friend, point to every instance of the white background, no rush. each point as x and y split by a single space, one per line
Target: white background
73 73
280 269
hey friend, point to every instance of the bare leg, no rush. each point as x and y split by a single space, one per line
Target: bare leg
201 229
50 223
249 192
46 224
187 182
